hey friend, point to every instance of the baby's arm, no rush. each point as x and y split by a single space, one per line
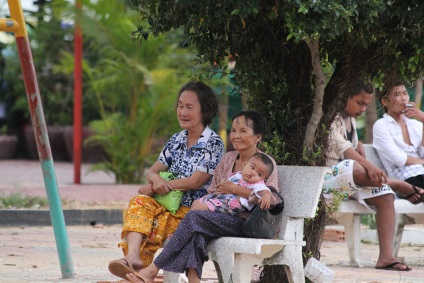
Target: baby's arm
265 200
198 205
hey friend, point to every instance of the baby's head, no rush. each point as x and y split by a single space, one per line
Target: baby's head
257 168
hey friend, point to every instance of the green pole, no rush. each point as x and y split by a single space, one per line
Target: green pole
17 25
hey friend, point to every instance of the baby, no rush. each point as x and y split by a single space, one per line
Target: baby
255 171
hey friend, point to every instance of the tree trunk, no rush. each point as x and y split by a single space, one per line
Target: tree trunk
370 118
320 80
418 92
223 118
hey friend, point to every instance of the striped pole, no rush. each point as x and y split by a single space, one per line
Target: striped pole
17 25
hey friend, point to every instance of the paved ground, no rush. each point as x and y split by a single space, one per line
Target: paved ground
29 254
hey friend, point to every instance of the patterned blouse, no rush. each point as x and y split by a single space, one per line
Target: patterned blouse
183 162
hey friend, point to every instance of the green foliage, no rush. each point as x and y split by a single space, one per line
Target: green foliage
50 39
17 201
276 148
134 83
369 220
132 142
266 38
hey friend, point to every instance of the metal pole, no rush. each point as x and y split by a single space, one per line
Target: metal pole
17 25
77 99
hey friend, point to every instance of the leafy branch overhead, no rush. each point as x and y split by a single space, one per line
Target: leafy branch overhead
378 39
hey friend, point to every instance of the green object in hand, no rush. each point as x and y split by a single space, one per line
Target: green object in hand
171 201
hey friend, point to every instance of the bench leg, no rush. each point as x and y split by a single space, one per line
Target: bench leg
352 226
291 258
243 265
223 263
171 277
401 221
293 264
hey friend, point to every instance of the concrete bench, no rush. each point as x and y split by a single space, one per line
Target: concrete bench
350 211
234 258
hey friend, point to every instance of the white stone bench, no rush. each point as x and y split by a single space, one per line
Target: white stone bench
234 258
350 211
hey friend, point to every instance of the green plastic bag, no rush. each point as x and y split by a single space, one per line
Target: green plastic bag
171 201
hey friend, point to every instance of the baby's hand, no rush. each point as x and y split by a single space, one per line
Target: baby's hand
265 201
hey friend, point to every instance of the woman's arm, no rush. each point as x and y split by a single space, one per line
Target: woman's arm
160 186
156 185
228 187
195 181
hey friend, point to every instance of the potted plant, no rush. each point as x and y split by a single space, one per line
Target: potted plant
8 144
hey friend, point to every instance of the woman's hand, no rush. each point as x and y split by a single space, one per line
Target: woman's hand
146 190
161 187
225 187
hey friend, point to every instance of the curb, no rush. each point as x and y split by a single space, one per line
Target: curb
39 217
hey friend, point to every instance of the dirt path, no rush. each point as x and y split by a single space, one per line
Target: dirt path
28 254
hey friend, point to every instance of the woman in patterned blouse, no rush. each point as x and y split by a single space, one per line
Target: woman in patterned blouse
192 156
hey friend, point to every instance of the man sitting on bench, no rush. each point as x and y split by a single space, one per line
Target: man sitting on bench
354 175
399 139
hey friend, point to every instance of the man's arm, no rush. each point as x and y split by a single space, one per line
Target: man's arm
376 175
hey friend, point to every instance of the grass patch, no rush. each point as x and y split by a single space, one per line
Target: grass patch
17 201
369 220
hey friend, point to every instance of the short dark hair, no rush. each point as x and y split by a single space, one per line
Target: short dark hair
266 160
207 99
386 90
259 124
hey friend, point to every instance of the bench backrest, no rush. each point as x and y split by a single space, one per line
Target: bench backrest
372 156
301 188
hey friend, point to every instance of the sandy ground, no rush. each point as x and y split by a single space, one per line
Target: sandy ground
29 254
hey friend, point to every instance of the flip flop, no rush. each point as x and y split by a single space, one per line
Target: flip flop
392 266
419 200
118 268
138 275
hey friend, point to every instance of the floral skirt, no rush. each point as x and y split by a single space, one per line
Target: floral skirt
146 216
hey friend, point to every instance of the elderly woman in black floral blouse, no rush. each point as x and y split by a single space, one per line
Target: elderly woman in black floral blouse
192 155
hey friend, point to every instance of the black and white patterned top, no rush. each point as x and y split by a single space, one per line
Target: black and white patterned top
183 162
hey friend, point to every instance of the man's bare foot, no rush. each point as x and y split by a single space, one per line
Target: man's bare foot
407 191
394 264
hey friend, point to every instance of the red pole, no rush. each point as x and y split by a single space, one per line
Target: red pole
77 99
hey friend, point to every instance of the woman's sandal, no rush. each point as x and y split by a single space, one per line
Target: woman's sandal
419 200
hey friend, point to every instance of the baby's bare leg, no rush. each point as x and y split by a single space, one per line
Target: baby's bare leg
198 205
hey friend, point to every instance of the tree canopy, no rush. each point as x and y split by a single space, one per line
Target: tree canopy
272 43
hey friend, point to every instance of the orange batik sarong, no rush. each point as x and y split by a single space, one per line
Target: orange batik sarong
146 216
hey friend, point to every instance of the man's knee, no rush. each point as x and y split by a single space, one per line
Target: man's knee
382 200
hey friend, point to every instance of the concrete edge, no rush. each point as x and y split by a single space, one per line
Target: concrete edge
38 217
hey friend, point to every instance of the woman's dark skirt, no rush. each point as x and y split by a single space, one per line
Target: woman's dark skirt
187 248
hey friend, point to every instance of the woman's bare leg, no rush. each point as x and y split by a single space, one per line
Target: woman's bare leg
134 240
132 259
192 276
